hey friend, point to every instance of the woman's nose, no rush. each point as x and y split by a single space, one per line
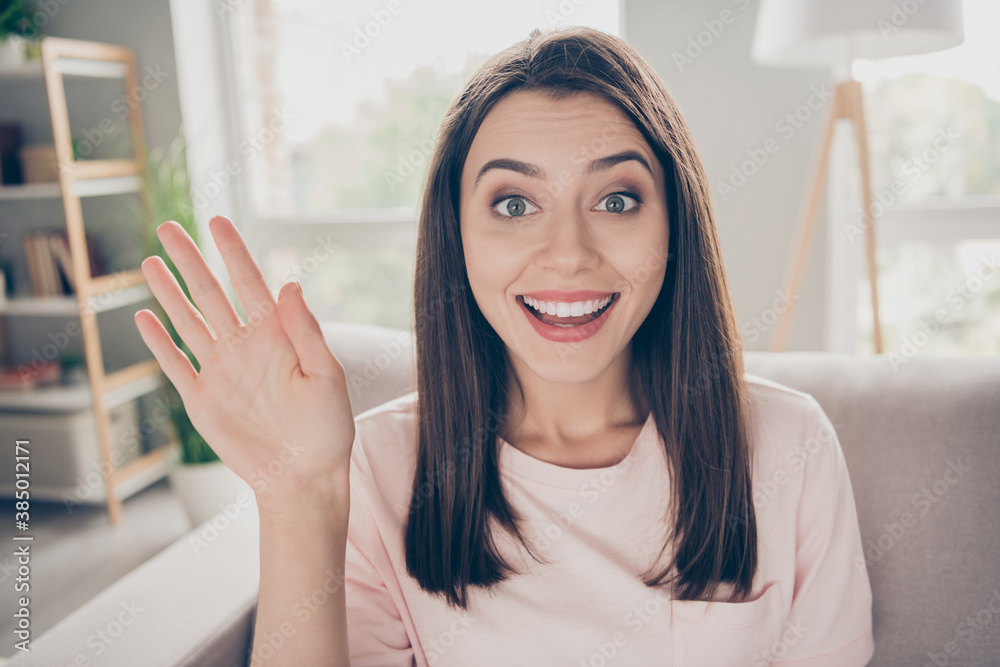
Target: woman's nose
569 243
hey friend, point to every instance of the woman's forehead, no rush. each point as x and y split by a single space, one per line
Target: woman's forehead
535 125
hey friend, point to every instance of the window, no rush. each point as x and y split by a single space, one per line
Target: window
934 137
338 108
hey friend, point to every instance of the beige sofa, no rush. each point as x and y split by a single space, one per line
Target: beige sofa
922 442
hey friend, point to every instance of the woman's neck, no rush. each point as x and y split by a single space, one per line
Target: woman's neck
569 421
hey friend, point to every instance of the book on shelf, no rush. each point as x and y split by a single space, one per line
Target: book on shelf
23 378
50 262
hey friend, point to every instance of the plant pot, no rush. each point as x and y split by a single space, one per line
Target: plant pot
12 51
207 489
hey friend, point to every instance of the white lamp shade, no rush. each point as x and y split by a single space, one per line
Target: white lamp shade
813 33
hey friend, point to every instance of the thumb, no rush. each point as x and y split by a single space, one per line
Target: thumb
304 331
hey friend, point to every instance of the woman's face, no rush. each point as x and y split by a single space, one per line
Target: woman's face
563 210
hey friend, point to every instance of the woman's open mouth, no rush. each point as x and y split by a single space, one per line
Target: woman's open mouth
568 321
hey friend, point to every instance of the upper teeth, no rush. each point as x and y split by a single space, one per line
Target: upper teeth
563 309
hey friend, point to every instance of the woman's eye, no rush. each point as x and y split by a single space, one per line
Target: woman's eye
618 203
513 207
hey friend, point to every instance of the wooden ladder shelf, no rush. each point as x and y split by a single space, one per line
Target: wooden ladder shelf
59 57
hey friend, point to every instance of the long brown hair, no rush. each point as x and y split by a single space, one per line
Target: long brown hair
687 354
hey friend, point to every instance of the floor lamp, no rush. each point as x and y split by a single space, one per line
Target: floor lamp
821 33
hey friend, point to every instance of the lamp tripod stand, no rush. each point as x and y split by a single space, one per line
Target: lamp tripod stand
846 104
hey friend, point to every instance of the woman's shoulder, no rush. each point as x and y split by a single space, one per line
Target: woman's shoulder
390 425
384 451
779 401
399 407
785 421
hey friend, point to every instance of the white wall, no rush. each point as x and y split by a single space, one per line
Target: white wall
733 105
144 27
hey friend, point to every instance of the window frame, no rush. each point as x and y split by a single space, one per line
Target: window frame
937 220
392 226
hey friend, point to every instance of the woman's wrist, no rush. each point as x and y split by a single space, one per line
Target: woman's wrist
321 498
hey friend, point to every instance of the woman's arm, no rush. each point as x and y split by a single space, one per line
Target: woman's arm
272 400
302 612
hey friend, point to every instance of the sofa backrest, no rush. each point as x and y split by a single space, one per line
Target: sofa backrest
922 445
378 361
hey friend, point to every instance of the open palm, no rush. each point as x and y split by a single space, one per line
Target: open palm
270 397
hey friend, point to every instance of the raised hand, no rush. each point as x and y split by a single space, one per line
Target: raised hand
270 397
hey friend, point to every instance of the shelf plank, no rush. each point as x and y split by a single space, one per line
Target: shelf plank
131 374
101 69
68 306
30 191
146 469
82 67
58 398
124 385
80 170
61 47
159 467
57 494
132 382
107 186
113 282
26 71
96 187
40 306
123 297
141 387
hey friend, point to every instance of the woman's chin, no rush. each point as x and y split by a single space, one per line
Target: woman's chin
566 364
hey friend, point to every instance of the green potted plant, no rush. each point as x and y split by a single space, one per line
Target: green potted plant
201 480
19 34
73 371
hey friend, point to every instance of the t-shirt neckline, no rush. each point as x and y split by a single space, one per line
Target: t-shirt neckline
514 461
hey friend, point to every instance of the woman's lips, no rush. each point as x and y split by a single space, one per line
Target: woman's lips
584 327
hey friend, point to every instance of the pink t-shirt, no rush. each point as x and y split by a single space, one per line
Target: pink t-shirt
600 529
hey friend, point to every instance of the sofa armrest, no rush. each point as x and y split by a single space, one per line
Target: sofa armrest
193 604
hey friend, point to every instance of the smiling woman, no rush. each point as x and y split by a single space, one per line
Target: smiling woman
567 189
573 480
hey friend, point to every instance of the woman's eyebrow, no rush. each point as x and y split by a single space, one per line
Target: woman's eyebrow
511 165
605 163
